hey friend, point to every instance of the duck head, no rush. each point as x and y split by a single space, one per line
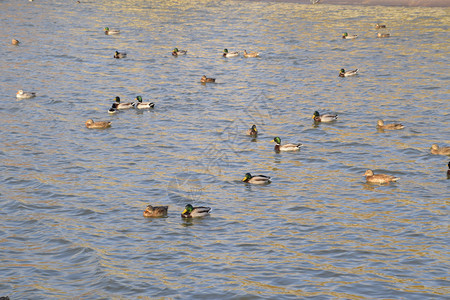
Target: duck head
277 140
187 209
247 177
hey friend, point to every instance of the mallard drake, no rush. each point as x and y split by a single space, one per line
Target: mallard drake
383 35
324 118
285 147
206 79
380 125
111 31
379 178
435 149
123 105
344 73
251 54
155 211
195 212
97 125
346 36
120 54
15 42
143 105
378 26
177 52
25 95
252 131
113 109
230 54
258 179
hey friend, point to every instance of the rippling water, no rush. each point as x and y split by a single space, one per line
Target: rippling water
72 199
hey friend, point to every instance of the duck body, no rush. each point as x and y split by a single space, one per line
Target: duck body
120 54
15 42
395 126
379 178
205 79
286 147
113 109
324 118
258 179
120 106
379 26
230 54
195 212
155 211
383 35
25 95
97 125
109 31
435 149
346 36
143 105
177 52
253 132
251 54
344 73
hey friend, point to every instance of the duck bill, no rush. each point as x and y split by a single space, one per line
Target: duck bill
184 211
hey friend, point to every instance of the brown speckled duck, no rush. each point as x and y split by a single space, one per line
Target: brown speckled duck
155 211
394 126
97 125
435 149
379 178
205 79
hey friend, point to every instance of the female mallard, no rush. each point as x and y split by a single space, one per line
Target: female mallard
383 35
379 178
143 105
285 147
25 95
229 54
252 131
205 79
324 118
195 212
435 149
120 54
378 26
349 37
251 54
344 73
258 179
381 126
155 211
97 125
111 31
177 52
15 42
123 105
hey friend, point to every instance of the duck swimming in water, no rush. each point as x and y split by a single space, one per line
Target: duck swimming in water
97 125
324 118
435 149
344 73
253 132
395 126
143 105
195 212
155 211
258 179
230 54
177 52
379 178
25 95
285 147
205 79
120 54
111 31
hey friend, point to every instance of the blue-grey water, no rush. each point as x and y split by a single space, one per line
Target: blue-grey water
72 198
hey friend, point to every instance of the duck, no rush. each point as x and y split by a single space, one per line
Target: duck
177 52
324 118
123 105
448 171
285 147
97 125
349 37
258 179
15 42
25 95
378 26
120 54
383 35
230 54
251 54
435 149
195 212
344 73
113 109
111 31
381 126
155 211
205 79
379 178
143 105
252 131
